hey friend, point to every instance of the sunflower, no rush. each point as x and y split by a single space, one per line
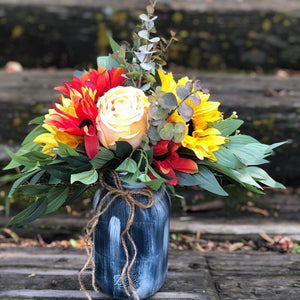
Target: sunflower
200 137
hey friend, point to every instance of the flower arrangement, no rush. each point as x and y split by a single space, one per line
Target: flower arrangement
131 116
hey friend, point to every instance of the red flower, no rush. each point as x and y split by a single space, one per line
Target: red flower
77 117
167 160
99 81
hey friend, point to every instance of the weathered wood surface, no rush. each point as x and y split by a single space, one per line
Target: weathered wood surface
213 34
41 273
270 107
263 5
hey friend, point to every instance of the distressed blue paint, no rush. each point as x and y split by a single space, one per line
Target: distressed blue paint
150 231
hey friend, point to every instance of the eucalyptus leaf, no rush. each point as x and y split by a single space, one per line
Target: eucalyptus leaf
195 99
147 66
189 86
107 62
169 101
144 34
185 111
182 92
153 133
78 73
167 132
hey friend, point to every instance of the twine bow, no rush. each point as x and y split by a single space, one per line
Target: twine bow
115 191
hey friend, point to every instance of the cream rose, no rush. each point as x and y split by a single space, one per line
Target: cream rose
122 116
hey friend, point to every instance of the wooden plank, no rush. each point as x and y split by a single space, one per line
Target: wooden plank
214 34
52 274
255 275
232 5
59 295
40 269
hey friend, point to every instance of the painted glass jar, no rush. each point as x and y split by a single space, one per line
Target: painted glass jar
150 234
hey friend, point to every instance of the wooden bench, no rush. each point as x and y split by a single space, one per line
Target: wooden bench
51 273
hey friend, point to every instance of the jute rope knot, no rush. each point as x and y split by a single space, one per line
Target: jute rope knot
115 190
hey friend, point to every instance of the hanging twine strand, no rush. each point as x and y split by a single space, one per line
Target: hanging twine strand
115 191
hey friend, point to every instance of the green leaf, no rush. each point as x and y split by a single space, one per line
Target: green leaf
66 150
19 160
113 44
155 184
226 158
107 62
56 198
34 133
228 173
227 127
245 177
31 213
263 177
251 153
123 149
131 178
204 178
37 177
34 190
19 181
209 182
185 111
169 101
103 156
37 121
87 177
153 133
37 156
240 140
182 92
77 161
78 73
128 165
78 191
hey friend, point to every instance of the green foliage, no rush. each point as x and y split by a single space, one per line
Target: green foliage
86 177
102 158
228 126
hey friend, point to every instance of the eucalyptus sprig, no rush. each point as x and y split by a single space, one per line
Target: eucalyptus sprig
163 105
147 53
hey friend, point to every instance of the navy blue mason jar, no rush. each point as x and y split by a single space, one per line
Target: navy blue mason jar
150 233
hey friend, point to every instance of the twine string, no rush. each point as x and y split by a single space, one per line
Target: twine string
115 191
